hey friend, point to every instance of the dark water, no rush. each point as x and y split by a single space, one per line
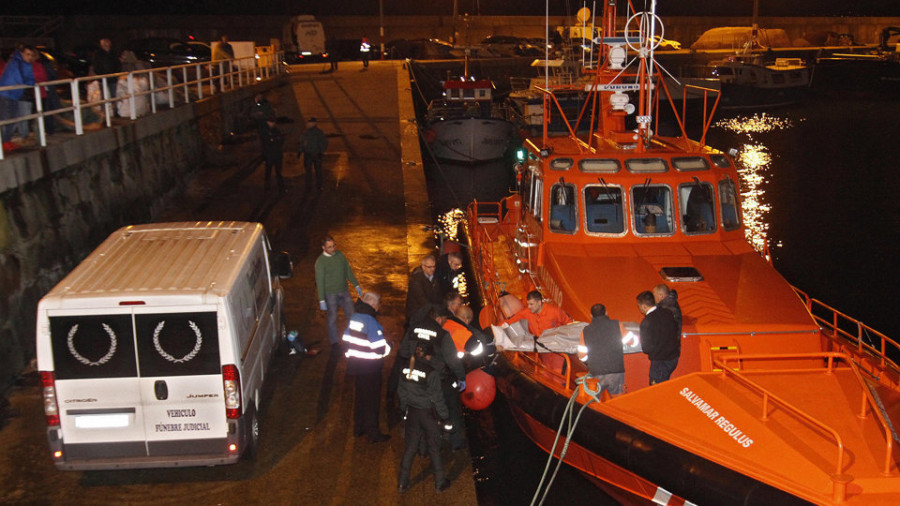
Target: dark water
830 186
820 185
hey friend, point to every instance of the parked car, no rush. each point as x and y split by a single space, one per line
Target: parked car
165 52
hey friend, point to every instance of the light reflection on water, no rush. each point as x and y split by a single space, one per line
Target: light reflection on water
753 160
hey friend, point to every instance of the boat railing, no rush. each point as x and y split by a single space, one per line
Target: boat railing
830 359
863 338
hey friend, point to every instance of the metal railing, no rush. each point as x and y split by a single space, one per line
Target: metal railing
138 92
863 338
867 404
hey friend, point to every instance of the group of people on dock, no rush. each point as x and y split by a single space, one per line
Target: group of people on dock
441 344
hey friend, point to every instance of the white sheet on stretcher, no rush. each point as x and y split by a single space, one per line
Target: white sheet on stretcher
515 337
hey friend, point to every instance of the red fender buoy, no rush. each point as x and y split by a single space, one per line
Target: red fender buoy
429 136
480 390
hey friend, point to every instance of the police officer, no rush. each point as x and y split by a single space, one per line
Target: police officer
366 349
421 397
445 360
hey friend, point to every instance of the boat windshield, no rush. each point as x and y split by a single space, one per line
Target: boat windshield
603 213
698 215
652 212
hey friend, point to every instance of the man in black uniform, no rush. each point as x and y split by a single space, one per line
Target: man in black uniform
445 361
601 348
420 397
659 338
273 152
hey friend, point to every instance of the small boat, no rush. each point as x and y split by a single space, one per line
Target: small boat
466 125
748 82
874 74
776 397
526 100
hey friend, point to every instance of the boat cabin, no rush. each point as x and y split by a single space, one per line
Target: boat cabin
638 197
468 90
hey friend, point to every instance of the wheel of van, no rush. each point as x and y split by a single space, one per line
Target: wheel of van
252 435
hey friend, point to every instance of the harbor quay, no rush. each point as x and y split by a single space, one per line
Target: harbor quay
375 205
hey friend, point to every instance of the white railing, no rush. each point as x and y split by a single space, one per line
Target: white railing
140 92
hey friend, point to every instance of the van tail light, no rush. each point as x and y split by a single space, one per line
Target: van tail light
51 406
231 380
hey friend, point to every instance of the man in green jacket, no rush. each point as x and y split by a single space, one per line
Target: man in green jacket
333 272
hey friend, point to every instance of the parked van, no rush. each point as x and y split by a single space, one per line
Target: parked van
153 351
304 40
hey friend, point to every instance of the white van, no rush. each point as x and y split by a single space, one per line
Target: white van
153 351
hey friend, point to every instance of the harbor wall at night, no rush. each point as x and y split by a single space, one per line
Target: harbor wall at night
57 204
86 30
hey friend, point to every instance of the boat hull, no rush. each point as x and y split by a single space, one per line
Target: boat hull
470 140
607 449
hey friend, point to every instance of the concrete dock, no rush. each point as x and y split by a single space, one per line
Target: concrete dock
375 205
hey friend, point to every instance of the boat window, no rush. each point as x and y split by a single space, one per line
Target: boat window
698 215
720 161
563 210
561 163
731 220
608 165
652 211
642 165
689 163
536 197
603 212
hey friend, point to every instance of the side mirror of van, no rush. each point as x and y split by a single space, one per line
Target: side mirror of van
283 266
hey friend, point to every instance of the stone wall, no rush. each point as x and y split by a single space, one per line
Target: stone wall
58 203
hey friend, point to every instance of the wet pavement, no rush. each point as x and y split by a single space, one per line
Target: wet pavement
374 204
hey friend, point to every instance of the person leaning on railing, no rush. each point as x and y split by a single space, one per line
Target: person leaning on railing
14 103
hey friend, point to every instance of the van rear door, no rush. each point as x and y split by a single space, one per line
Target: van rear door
181 381
97 384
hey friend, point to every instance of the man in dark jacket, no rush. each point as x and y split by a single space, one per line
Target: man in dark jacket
445 360
422 290
366 349
668 299
106 61
273 152
421 398
601 349
659 338
313 144
260 111
449 268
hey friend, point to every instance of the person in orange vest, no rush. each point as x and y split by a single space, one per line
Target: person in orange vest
458 331
540 315
474 347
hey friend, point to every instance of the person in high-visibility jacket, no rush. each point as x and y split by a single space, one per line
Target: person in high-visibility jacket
364 50
366 348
